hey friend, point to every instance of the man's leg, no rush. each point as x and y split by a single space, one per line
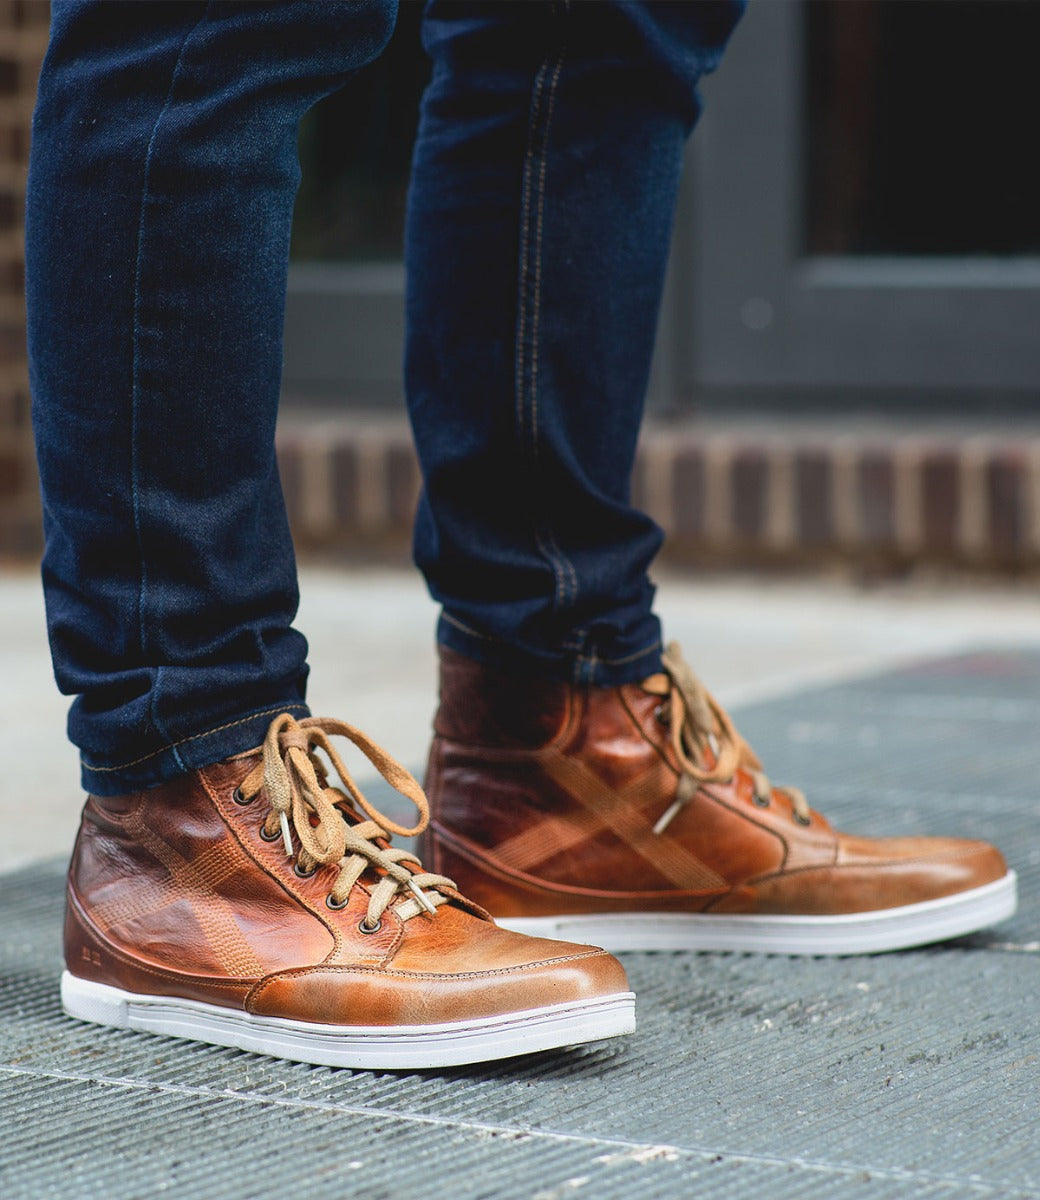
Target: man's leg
217 892
161 191
581 781
541 207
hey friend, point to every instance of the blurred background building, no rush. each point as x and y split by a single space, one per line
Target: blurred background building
848 364
23 39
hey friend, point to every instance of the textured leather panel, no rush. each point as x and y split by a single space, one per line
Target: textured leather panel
93 957
869 884
172 883
515 894
174 891
354 996
502 712
341 940
568 826
447 940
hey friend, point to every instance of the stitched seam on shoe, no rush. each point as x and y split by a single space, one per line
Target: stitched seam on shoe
292 890
237 986
195 880
424 976
476 856
937 855
212 866
486 861
883 864
268 712
213 913
669 858
659 748
286 886
620 811
738 809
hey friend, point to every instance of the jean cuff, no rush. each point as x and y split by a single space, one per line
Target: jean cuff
582 664
188 754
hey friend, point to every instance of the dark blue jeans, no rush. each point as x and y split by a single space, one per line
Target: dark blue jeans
162 182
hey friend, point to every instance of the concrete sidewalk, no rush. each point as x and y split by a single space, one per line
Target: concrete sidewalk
895 1077
371 633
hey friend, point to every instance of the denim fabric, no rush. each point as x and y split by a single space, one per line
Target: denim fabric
543 189
162 180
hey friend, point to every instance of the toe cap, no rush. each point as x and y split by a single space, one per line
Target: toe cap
449 967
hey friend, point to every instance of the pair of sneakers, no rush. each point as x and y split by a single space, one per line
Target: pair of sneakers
260 902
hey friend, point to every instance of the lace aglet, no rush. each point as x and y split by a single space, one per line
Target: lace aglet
667 816
283 821
418 893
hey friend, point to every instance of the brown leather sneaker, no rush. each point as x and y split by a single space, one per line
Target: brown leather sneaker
248 904
637 818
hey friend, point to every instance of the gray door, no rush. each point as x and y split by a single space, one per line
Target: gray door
859 225
866 210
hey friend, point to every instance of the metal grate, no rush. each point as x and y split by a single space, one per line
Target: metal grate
903 1075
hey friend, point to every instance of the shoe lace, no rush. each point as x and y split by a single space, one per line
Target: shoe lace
295 784
707 746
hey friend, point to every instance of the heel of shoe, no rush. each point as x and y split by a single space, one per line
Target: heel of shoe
95 1002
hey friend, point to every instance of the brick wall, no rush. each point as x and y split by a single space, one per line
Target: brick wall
23 39
787 494
889 499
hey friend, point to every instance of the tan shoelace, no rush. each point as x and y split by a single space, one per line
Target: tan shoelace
706 744
294 782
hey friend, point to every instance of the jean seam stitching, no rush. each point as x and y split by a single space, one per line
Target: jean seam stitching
194 738
564 562
627 658
463 628
135 371
565 576
525 237
579 658
567 580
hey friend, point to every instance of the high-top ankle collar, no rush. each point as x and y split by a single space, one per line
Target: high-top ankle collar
484 706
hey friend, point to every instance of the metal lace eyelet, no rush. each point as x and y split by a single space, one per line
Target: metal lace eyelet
364 927
761 801
800 820
238 798
336 905
661 715
300 873
269 837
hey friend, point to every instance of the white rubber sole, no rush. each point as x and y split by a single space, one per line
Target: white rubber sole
852 933
387 1048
